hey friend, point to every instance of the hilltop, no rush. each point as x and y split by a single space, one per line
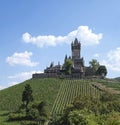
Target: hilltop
47 89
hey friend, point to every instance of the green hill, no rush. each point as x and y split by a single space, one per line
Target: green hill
118 78
56 92
71 89
43 89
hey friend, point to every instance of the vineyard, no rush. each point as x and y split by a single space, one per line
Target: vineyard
70 89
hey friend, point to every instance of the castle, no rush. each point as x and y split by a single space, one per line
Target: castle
78 70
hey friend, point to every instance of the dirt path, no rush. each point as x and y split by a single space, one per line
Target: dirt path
105 88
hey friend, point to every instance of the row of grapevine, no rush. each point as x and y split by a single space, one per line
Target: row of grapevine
70 89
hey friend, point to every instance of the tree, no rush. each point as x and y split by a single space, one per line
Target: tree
75 117
102 71
68 66
94 64
43 112
27 96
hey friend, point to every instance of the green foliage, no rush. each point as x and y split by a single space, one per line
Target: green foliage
4 119
65 91
27 96
112 84
94 64
29 123
68 66
43 89
103 105
73 116
77 118
89 110
69 90
102 71
89 102
43 112
36 112
16 116
47 89
32 114
113 119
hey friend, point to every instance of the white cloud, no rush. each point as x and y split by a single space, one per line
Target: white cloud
18 78
21 59
113 60
83 33
23 76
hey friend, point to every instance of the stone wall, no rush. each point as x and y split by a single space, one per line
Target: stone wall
55 75
44 75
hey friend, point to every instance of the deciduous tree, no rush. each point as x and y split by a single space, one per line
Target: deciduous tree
27 96
68 66
94 64
102 71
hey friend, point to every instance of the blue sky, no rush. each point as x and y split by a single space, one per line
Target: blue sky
35 32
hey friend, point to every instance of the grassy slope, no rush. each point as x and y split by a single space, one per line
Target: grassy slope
43 89
112 84
4 117
69 90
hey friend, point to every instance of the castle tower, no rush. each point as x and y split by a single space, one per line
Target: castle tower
76 47
78 62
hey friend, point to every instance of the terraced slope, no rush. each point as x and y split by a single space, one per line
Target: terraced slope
70 89
56 92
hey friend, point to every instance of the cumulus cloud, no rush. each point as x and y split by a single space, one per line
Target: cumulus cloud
20 77
113 60
21 59
83 33
23 76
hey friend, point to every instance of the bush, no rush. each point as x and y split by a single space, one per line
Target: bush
32 114
29 123
76 118
16 117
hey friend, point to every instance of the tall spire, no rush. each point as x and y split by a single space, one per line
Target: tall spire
76 41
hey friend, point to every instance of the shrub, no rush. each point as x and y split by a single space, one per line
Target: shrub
76 118
32 114
16 117
29 123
